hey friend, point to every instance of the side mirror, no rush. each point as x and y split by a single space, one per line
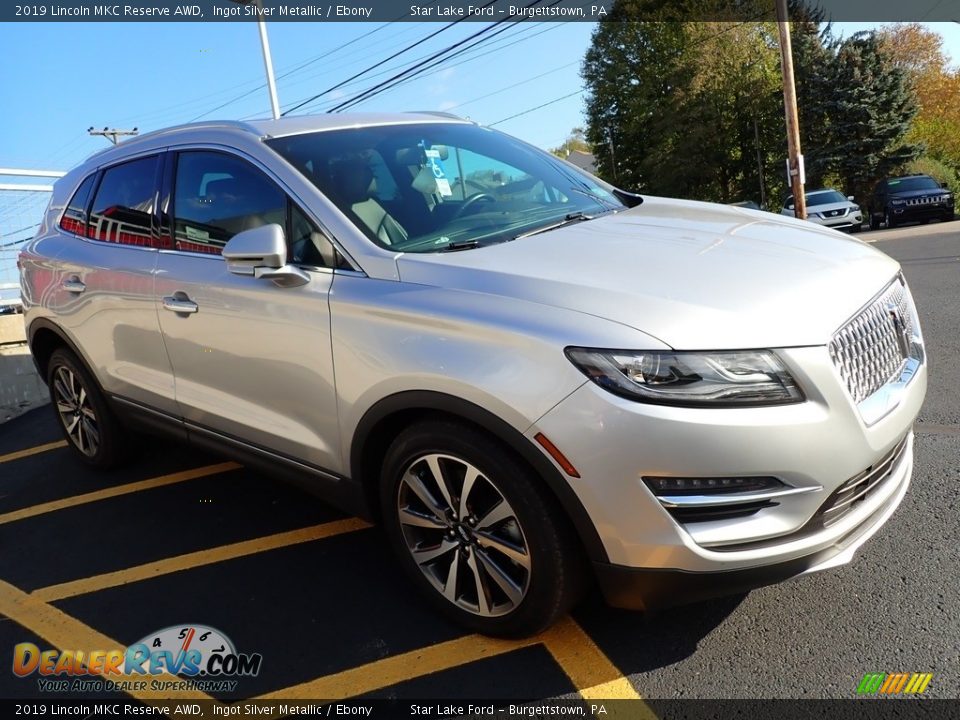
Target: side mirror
262 253
850 198
944 186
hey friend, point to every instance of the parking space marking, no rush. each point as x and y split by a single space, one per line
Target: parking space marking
592 673
590 670
197 559
156 482
393 670
67 633
10 457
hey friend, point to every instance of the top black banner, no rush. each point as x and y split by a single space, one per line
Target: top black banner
445 11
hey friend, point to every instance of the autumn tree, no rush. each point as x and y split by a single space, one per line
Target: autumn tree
936 85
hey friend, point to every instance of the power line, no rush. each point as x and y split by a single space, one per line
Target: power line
413 72
299 67
375 66
538 107
386 84
510 87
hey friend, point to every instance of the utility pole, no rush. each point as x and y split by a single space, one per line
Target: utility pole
111 133
795 159
267 59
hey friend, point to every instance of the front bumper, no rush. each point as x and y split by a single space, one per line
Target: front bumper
918 213
851 221
648 589
818 444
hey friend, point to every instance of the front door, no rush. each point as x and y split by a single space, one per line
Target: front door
251 361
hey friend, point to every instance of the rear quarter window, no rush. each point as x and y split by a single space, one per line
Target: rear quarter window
74 218
123 208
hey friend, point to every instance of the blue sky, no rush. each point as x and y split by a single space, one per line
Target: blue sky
70 76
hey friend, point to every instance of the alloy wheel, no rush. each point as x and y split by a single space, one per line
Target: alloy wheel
463 535
76 412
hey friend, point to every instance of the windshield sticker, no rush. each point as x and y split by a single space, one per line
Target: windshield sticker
436 167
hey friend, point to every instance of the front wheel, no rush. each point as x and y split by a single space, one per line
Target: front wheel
888 220
477 532
91 430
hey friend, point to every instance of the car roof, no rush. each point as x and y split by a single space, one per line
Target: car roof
283 127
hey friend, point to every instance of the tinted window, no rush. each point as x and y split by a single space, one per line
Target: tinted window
75 216
825 198
218 195
912 183
123 208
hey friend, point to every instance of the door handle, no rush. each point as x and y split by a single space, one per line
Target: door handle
180 303
73 285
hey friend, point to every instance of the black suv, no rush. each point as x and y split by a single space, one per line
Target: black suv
911 198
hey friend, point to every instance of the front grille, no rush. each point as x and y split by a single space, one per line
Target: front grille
858 488
869 350
923 201
835 213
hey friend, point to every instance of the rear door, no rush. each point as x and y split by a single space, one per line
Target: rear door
252 361
104 295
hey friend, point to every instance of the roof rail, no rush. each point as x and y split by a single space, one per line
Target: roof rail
438 113
236 124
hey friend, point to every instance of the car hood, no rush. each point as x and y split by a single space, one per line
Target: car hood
693 275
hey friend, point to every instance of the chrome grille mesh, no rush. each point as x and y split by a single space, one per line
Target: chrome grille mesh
868 351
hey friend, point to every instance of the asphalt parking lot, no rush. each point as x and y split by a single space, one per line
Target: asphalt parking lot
176 537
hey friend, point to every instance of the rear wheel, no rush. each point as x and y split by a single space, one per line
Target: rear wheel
91 430
477 532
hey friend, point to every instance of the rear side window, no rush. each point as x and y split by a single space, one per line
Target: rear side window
217 196
75 216
124 205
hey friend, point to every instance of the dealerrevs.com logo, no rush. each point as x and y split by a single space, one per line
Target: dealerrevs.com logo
202 658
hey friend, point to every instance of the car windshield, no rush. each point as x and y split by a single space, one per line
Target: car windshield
912 183
825 198
430 187
821 197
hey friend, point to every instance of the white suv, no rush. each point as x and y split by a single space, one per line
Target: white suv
530 377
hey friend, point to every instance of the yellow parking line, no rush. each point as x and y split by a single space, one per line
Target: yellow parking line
68 633
197 559
10 457
399 668
75 500
592 672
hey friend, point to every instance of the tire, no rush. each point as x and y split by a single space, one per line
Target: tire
888 220
874 222
949 217
505 508
90 428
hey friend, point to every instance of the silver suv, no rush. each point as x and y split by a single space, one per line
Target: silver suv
531 378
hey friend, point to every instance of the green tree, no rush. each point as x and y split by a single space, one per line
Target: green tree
869 115
576 140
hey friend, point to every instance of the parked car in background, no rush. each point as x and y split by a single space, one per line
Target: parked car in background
530 377
829 208
911 198
748 204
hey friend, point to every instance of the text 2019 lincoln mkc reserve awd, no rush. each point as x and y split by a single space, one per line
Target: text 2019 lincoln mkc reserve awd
532 379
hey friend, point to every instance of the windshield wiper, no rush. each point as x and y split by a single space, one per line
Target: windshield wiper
568 219
463 245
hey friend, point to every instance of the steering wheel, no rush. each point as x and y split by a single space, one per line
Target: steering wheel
471 201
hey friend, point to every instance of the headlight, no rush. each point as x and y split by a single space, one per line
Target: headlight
694 379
